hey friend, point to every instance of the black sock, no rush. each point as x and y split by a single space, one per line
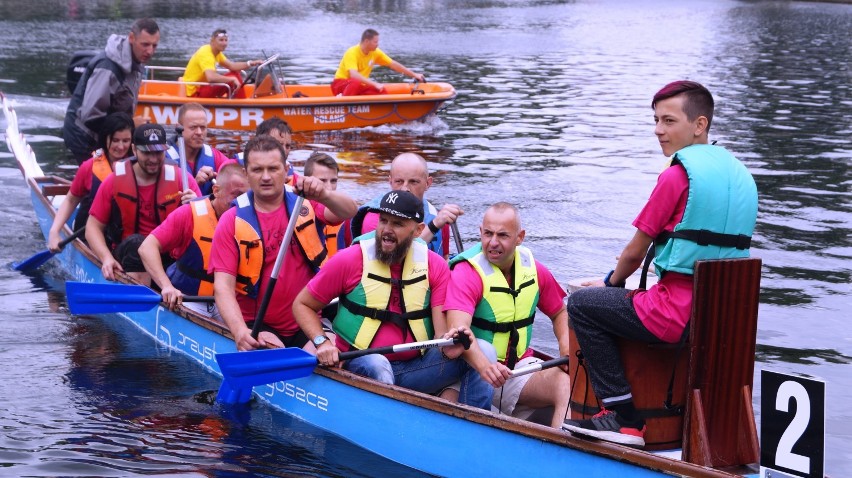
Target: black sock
628 413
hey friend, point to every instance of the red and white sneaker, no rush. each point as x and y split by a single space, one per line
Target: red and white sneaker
607 425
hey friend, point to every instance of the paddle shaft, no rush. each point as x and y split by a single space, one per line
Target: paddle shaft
182 152
390 349
72 237
457 237
276 269
539 366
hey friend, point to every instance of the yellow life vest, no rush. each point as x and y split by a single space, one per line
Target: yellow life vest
363 310
504 316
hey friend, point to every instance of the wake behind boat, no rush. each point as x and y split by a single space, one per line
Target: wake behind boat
411 428
304 107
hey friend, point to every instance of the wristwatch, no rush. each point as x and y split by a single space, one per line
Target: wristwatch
319 340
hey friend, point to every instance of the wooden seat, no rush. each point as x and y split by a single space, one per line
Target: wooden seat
712 374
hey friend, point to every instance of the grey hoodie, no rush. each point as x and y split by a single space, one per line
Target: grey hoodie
105 93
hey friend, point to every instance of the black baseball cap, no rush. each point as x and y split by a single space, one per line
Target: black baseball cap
150 137
401 204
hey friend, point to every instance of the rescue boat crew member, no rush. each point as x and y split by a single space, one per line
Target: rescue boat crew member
248 237
187 237
132 201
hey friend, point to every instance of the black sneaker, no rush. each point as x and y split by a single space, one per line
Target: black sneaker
607 425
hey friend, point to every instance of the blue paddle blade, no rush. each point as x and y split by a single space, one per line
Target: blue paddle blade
243 370
230 395
90 298
33 262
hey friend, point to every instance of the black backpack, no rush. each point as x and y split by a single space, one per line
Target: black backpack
77 67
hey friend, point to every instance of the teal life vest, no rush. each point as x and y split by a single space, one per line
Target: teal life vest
720 213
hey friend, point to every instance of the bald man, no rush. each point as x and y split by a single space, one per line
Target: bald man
409 172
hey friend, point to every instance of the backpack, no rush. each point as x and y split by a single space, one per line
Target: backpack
77 67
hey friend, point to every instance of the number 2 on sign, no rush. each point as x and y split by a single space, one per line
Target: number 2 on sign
797 427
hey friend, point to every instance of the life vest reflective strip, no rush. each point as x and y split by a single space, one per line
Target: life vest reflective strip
365 308
205 158
167 192
247 233
720 213
331 240
504 316
436 245
189 274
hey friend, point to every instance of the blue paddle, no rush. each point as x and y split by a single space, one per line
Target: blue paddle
91 298
40 258
243 370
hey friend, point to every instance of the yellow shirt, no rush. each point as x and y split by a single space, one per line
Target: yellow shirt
202 60
355 59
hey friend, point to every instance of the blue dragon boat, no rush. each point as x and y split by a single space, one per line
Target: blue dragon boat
414 429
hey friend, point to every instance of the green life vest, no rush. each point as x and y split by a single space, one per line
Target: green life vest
720 214
504 316
365 308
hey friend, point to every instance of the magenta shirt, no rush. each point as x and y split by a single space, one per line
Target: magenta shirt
294 275
666 307
465 290
342 273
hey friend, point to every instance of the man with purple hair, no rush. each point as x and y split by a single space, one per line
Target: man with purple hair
703 207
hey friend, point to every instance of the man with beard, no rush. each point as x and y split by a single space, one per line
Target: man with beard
202 160
391 290
140 193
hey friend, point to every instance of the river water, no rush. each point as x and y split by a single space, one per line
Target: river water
553 114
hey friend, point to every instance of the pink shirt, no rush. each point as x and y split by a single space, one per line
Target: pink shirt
82 183
294 275
175 233
342 273
102 204
465 290
666 307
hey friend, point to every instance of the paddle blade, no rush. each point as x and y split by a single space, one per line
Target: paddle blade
88 298
33 262
230 395
258 367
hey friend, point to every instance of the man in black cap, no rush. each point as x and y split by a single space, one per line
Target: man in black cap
140 193
392 290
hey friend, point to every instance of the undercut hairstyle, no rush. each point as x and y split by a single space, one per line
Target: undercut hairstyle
369 34
264 143
275 123
218 31
192 106
323 160
144 24
503 206
697 99
228 171
113 123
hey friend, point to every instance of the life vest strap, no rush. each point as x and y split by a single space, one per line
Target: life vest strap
249 245
704 237
396 282
513 292
127 196
194 273
501 327
383 315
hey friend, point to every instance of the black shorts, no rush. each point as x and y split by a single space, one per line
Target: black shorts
299 339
